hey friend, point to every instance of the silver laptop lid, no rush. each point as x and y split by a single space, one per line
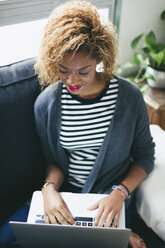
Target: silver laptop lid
69 236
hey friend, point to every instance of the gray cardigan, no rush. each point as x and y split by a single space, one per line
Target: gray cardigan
128 140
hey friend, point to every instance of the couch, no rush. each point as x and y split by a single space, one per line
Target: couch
22 166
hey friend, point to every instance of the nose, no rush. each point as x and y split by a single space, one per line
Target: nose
72 79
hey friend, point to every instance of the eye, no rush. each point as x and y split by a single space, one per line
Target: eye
64 72
83 73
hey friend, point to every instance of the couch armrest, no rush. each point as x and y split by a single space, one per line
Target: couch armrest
150 200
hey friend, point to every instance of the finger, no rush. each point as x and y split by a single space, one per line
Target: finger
61 219
143 244
47 219
110 219
115 220
52 219
67 215
94 206
98 216
103 219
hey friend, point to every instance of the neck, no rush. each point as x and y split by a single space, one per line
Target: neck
100 85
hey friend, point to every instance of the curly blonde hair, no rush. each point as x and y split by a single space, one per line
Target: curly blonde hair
73 27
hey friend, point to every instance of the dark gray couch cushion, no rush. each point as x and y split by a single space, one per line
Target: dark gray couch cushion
21 160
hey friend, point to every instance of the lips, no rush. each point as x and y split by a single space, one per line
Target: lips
74 88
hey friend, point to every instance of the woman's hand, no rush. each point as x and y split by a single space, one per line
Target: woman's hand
55 208
109 209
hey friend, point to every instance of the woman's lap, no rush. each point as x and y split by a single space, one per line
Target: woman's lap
7 239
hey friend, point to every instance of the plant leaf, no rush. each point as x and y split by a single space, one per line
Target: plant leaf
143 88
148 76
158 57
138 59
162 16
146 61
132 79
146 48
135 41
160 47
150 39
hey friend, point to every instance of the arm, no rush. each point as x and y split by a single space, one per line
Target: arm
54 206
54 174
134 178
110 206
142 152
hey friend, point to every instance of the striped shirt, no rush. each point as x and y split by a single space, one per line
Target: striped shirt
83 127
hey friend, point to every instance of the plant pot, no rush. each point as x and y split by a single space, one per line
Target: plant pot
159 76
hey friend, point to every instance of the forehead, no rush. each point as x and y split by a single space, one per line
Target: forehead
78 60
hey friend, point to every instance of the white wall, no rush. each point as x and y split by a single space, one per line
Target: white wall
138 16
20 41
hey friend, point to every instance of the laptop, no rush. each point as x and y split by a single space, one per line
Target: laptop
36 233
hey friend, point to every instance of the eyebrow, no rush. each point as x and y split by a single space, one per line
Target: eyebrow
78 69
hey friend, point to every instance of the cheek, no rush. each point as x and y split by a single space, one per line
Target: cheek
61 76
92 76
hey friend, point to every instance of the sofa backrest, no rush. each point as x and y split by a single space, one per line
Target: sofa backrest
22 167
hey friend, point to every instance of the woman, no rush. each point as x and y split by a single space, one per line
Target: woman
93 126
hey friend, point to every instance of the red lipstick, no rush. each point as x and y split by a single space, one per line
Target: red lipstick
74 88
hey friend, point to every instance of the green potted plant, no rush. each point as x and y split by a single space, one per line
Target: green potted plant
149 59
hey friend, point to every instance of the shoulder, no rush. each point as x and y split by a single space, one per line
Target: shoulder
48 96
129 90
127 87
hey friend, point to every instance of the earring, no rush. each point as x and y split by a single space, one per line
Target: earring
100 67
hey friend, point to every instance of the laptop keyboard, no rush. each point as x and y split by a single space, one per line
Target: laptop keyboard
84 221
40 218
80 221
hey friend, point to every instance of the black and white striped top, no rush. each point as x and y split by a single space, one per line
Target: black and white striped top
83 127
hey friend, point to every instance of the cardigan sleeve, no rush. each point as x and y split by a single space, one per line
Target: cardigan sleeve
142 149
41 115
